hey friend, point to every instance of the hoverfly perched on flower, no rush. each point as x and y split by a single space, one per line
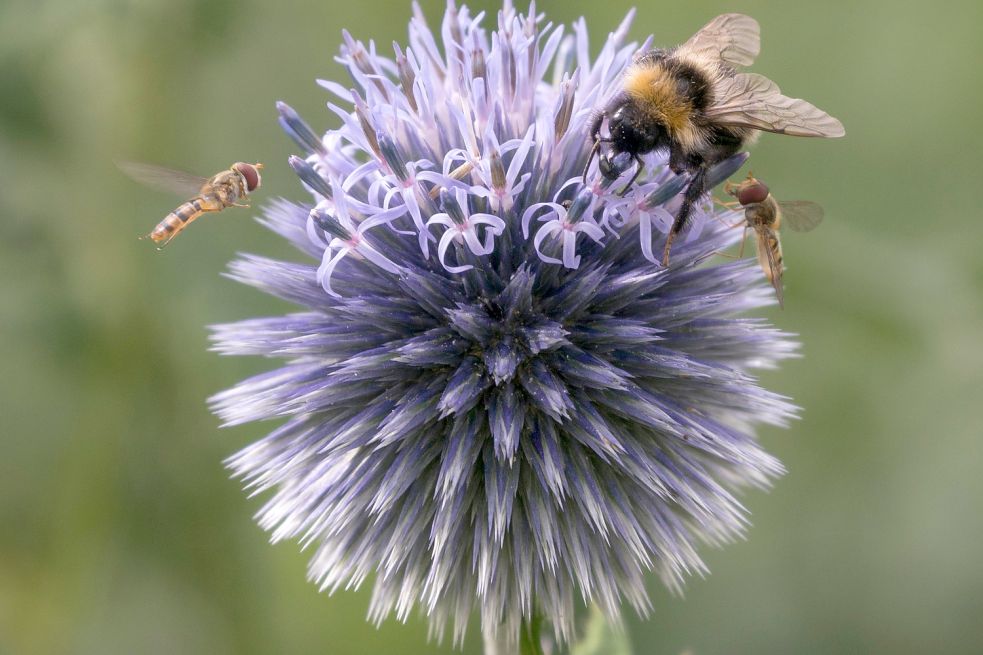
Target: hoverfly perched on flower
692 102
764 215
222 190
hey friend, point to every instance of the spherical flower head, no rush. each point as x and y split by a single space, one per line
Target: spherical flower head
496 400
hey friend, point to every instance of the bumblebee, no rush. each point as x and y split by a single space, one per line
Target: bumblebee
693 102
765 215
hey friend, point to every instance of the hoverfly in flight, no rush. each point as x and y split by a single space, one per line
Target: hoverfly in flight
222 190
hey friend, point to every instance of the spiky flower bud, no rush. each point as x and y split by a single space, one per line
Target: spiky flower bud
495 399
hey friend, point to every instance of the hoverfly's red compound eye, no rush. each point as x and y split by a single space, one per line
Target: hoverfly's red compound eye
752 193
250 172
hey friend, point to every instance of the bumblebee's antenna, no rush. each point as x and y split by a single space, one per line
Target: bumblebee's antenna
590 158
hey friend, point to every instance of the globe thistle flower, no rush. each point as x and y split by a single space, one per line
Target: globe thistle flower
495 399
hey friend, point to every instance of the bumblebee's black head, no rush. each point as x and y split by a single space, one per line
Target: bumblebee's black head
633 131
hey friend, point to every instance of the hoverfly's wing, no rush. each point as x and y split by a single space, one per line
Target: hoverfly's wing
751 100
164 179
769 249
733 38
801 215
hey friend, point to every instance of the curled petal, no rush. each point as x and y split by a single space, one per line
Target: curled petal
474 243
445 242
359 174
570 257
591 230
440 219
494 223
377 258
645 234
380 218
521 184
546 230
527 215
326 269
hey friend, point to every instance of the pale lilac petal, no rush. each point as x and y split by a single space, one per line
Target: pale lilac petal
378 258
527 215
445 242
331 260
547 230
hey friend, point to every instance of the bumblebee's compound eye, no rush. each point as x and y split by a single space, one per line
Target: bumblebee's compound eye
250 172
751 193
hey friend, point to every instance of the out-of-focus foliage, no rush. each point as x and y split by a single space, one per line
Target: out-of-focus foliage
120 530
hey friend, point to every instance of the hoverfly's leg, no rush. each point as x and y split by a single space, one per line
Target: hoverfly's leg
740 254
694 190
168 240
729 190
239 204
727 255
639 167
730 225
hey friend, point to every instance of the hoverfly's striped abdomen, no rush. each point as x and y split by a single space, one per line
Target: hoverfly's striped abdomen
774 268
174 222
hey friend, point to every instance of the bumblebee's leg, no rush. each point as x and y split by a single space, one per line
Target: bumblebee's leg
639 167
694 190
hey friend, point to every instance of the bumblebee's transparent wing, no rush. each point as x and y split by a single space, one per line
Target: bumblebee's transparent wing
734 38
801 215
751 100
163 179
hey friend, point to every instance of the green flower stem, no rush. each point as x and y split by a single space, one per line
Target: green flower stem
530 641
601 638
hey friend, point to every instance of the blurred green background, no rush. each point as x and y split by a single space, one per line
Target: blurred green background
120 531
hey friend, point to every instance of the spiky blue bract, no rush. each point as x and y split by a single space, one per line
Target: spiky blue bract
495 401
